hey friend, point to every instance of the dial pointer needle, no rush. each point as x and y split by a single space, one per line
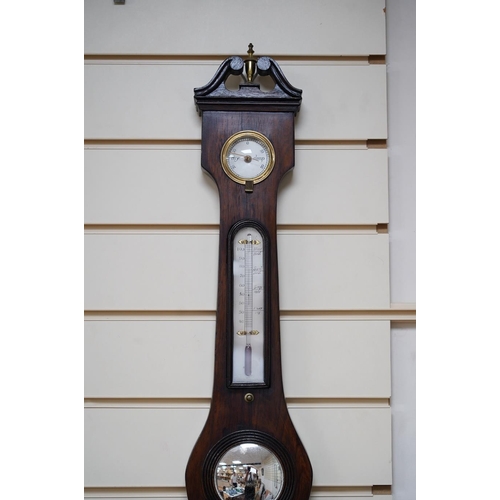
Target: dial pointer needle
247 158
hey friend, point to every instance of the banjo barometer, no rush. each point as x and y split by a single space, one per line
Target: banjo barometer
248 445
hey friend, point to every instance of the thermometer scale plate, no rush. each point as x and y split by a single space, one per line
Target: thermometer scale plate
248 306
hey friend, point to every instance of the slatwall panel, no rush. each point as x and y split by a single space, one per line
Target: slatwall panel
341 359
149 187
149 447
177 270
127 100
340 27
152 234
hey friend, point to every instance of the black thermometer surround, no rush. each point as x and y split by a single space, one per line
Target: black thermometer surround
230 310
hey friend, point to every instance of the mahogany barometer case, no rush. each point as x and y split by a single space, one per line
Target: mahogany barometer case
248 445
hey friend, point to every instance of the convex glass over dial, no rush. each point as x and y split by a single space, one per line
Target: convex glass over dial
247 156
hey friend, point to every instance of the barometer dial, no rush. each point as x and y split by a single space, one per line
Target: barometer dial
247 156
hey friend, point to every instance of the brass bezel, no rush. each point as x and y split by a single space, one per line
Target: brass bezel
255 136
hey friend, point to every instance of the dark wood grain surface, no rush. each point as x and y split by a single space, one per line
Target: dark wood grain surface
232 420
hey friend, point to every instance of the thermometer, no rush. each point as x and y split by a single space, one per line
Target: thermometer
248 306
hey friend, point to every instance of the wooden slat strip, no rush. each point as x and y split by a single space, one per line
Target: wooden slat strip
399 313
196 143
324 492
214 229
382 489
204 403
201 58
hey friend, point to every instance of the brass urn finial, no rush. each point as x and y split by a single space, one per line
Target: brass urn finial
250 64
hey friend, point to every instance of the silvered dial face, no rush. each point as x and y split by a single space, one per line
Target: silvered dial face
247 155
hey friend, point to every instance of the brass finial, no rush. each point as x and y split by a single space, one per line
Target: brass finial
250 64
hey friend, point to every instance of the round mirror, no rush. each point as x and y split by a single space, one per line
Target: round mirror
249 472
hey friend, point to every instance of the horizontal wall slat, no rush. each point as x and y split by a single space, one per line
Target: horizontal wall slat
151 447
155 101
136 494
145 493
168 186
344 27
178 271
132 359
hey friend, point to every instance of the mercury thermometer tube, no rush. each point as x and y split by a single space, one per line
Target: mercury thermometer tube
248 303
248 306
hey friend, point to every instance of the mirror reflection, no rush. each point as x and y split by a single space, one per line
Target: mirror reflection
249 472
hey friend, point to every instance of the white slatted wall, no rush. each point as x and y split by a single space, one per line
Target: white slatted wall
151 239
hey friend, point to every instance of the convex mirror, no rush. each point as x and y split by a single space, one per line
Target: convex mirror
249 466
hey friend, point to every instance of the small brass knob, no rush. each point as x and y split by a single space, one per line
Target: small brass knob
249 397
